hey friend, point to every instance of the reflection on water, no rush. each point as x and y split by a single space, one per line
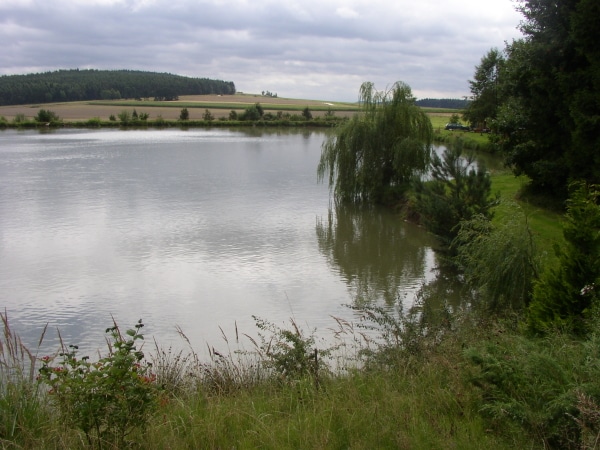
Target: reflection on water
380 257
196 228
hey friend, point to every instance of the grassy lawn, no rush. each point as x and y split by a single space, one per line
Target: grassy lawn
544 223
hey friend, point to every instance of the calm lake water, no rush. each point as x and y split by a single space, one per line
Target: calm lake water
199 229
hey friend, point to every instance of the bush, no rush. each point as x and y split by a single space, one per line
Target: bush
125 117
498 261
254 112
46 116
547 387
106 399
457 192
289 353
19 118
306 113
564 296
208 116
94 122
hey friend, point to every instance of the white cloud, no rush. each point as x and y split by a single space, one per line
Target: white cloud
346 13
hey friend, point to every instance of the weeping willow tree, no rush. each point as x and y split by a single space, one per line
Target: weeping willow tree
373 157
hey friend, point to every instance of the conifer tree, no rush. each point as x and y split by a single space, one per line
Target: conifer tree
564 296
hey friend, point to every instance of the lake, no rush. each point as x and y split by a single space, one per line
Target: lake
200 229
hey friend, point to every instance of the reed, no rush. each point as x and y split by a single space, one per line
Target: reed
23 412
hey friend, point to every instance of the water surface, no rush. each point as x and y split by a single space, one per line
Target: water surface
201 229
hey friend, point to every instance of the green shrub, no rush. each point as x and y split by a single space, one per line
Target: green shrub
499 261
19 118
208 116
548 387
46 116
456 192
107 399
125 117
184 114
289 353
306 113
564 296
94 122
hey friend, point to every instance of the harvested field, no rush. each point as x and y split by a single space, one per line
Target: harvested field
218 105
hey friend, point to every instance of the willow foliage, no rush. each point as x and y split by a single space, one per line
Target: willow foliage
499 260
373 157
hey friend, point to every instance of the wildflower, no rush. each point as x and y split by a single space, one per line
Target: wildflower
587 289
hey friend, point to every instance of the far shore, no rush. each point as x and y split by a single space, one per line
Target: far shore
219 105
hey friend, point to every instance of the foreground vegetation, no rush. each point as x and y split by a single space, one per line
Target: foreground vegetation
461 382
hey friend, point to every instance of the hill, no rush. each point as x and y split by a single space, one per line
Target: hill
77 85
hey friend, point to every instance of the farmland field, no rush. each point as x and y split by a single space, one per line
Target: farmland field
219 106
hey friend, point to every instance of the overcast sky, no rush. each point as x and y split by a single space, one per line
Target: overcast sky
312 49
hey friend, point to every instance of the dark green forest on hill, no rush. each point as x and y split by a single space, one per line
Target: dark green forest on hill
77 85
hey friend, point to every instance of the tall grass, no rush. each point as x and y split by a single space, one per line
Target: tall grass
22 414
425 379
245 398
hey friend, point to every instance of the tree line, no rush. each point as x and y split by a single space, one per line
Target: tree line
77 85
446 103
540 95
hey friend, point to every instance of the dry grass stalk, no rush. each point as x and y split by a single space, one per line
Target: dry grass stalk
17 362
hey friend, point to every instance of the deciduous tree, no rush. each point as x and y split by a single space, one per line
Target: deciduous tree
373 156
485 87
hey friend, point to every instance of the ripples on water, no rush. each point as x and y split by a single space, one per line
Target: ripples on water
199 229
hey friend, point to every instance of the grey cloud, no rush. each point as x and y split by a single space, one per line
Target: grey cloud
309 49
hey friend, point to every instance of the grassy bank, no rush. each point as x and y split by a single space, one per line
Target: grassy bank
414 397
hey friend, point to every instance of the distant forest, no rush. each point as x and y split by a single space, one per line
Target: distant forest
75 84
449 103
